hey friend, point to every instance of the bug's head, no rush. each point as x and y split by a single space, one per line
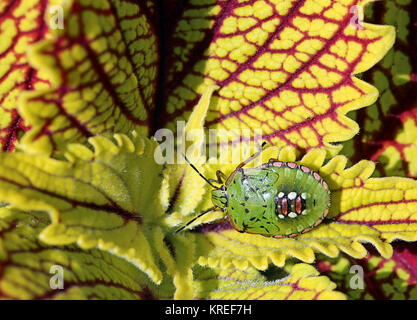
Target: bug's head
219 197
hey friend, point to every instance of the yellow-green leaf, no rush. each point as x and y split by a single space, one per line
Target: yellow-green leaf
31 269
178 255
394 77
399 155
383 279
21 25
105 198
303 283
282 66
363 209
103 72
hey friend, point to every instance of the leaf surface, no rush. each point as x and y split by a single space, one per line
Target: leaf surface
392 279
363 209
29 268
101 198
21 25
303 283
283 66
394 77
103 74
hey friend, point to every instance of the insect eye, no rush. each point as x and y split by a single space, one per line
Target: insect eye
223 188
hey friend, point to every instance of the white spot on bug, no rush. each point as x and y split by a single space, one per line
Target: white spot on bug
292 215
281 195
281 216
292 195
304 196
304 212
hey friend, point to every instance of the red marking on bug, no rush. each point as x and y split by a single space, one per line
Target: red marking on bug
305 169
298 204
284 206
325 213
325 185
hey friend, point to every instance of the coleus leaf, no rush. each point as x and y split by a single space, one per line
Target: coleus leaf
283 66
42 139
178 255
303 283
94 199
363 209
393 77
103 75
29 267
399 155
106 198
394 150
330 238
393 279
22 24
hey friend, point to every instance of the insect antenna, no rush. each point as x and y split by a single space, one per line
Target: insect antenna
194 219
196 170
255 155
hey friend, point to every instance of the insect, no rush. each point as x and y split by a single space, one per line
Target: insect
277 199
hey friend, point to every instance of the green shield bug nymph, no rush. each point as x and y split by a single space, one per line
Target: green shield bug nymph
277 199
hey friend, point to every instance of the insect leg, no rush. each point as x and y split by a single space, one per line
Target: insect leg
255 155
192 220
239 167
220 177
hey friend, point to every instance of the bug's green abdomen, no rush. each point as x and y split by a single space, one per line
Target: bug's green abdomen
277 199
